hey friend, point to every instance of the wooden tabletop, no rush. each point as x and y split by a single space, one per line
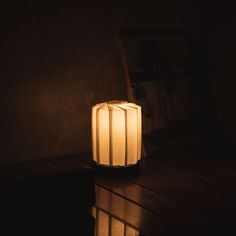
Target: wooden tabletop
188 193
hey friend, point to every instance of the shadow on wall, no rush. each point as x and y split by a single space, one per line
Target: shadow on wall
61 60
53 75
218 38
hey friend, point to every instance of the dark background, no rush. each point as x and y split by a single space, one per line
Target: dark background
60 60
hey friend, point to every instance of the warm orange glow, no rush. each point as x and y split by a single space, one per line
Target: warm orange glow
109 225
116 133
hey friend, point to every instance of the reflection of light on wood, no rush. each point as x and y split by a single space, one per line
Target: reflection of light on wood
107 225
119 207
129 231
117 227
116 133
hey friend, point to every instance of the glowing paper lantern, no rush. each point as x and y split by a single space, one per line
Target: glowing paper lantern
116 133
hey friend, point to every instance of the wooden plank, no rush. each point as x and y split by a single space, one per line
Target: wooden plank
139 218
107 224
182 194
169 193
219 210
202 164
212 199
194 178
46 175
152 201
201 201
205 170
211 176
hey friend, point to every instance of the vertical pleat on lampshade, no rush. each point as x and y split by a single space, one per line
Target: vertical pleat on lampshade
116 133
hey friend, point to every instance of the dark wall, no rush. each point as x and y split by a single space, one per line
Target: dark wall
58 61
217 32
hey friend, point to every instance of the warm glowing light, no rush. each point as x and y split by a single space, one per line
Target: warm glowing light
116 133
109 225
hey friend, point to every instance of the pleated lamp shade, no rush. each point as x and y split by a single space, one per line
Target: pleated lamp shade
116 133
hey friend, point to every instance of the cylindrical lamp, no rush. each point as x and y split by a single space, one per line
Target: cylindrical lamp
116 134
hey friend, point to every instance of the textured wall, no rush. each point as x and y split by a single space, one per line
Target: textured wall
53 76
58 62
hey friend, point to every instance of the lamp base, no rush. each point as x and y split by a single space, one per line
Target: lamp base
117 171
